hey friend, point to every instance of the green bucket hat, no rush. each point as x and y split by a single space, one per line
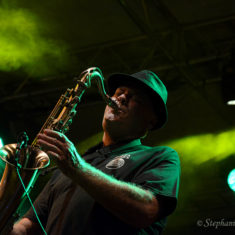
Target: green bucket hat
151 83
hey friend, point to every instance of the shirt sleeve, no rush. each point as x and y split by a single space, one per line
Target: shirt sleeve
162 179
42 202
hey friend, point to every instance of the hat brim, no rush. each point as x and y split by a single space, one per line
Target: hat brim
118 79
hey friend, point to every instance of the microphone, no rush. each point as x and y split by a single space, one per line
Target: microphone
22 142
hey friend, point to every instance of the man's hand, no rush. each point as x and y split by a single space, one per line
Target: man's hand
116 196
61 150
25 226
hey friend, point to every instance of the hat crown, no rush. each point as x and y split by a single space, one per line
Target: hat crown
152 81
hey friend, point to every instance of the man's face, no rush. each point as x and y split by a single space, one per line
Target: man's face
135 113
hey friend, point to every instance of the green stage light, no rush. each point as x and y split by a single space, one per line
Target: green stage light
24 45
201 148
1 143
2 163
231 179
231 102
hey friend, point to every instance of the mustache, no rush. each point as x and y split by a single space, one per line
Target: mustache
120 107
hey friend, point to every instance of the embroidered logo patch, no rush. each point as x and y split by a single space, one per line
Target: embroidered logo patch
117 162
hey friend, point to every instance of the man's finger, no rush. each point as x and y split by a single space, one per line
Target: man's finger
55 134
49 139
48 147
53 155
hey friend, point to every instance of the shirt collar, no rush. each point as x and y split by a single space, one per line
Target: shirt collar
128 145
121 146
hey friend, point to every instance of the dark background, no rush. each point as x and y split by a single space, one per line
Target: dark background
189 44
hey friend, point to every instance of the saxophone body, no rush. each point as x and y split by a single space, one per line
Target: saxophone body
30 160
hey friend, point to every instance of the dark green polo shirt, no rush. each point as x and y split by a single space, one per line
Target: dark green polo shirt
65 208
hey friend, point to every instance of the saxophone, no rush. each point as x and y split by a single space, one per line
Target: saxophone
30 160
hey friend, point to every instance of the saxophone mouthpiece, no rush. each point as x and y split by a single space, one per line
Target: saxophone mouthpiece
112 103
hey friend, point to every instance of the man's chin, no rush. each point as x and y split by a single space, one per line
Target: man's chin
114 117
114 123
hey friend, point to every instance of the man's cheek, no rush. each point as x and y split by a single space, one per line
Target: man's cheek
109 116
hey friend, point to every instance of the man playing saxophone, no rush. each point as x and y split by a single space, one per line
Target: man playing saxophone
118 186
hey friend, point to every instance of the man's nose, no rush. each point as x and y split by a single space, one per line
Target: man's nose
123 98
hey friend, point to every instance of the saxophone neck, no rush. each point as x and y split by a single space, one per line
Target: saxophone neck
95 73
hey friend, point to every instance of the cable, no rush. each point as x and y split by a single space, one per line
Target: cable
17 169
